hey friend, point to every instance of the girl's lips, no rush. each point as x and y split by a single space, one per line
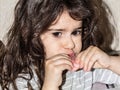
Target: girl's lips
72 56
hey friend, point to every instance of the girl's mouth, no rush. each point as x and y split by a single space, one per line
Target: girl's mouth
72 56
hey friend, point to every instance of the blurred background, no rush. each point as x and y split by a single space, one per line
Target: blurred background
7 14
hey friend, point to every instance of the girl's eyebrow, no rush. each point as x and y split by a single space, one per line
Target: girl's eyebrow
79 27
62 29
56 29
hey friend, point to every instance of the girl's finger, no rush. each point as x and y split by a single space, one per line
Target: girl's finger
62 61
57 56
89 55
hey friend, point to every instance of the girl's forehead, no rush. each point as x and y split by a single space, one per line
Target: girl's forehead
65 20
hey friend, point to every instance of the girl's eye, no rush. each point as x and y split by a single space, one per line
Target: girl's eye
57 34
77 32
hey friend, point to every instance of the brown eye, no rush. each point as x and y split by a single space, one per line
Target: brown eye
57 34
77 32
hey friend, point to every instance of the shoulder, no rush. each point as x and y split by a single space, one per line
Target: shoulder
24 79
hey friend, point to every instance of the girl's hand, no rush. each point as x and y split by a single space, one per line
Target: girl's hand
92 57
54 67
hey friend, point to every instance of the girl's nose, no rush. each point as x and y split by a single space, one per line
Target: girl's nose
69 43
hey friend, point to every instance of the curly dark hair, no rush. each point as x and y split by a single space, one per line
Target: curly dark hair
32 17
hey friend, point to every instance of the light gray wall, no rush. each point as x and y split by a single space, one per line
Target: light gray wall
6 15
115 8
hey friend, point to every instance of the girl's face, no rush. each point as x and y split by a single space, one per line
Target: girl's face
63 36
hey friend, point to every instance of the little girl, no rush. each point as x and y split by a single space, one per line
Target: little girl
54 45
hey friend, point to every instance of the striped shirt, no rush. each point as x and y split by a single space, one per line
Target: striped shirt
82 80
79 80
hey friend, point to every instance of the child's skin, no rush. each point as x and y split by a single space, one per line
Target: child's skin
65 32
